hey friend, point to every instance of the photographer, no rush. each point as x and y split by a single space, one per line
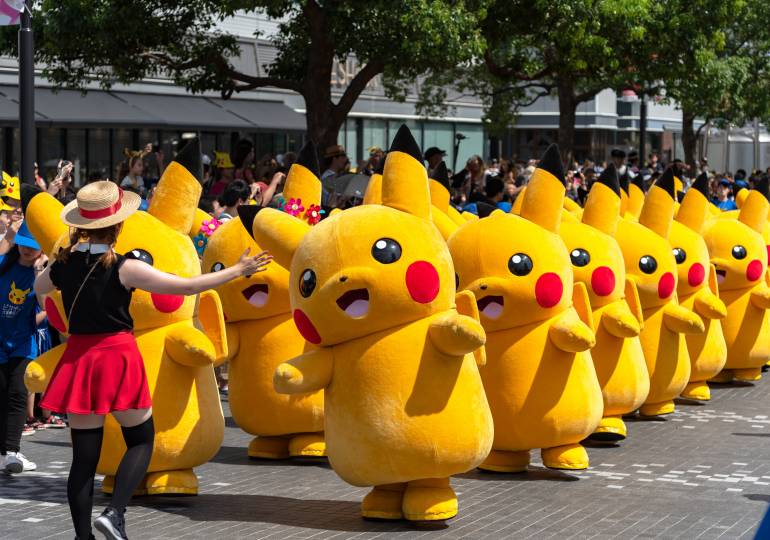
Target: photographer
61 186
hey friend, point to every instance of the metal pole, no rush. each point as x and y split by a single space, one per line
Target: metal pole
756 144
27 96
642 130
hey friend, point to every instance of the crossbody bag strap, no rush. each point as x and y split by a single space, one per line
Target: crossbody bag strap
77 294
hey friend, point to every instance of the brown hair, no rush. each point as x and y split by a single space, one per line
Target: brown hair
108 235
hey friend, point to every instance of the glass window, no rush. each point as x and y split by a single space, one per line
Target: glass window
16 157
99 151
76 153
472 144
209 144
351 141
440 135
122 140
169 142
51 151
375 134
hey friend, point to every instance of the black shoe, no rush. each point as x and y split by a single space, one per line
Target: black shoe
90 537
111 524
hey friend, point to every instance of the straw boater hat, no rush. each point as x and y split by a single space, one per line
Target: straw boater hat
100 205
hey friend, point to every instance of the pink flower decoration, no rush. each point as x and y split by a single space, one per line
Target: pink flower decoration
313 214
294 207
210 226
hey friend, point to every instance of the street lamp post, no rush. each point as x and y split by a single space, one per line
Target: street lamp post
27 95
642 129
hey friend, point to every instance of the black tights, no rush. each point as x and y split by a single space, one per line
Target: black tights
86 447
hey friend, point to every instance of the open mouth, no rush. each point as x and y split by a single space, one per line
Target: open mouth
354 303
491 306
721 275
256 294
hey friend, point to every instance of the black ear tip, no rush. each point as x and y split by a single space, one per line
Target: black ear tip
484 209
623 181
551 162
638 181
404 142
190 158
247 213
609 178
441 175
308 158
701 184
28 191
666 182
763 186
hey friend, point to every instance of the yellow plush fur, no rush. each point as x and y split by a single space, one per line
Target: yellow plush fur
178 351
539 377
404 403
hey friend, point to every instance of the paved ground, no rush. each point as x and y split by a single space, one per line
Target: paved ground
703 473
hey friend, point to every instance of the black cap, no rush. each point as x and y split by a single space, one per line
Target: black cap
763 187
702 184
441 175
666 182
404 142
432 151
609 178
247 213
623 181
190 158
308 158
551 162
618 153
27 192
484 209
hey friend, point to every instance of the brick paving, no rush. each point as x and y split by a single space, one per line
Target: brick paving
703 473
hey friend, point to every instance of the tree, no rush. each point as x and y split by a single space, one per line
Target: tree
123 41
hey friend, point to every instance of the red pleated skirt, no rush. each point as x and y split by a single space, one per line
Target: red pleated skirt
98 374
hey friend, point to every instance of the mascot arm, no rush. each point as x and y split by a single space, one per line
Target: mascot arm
760 296
682 320
467 334
306 373
40 369
618 320
570 334
188 346
233 341
708 305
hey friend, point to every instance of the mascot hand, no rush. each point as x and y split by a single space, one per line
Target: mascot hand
34 378
306 373
708 305
619 321
682 320
570 334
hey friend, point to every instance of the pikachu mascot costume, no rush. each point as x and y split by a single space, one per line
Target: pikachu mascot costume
539 377
373 288
697 289
178 356
261 332
739 254
597 262
651 265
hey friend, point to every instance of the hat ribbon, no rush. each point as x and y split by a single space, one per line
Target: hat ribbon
104 212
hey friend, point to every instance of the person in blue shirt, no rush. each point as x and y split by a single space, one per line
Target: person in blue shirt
18 343
723 199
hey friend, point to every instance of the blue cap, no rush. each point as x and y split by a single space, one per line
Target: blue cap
724 182
25 238
742 184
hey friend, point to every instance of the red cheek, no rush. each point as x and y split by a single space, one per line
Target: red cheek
603 281
306 327
167 303
54 317
422 282
548 290
666 285
696 274
754 270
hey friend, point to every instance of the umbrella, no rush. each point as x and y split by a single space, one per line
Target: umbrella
351 185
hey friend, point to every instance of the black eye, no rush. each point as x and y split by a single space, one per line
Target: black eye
739 252
679 255
307 283
520 264
386 251
579 257
140 255
648 264
217 267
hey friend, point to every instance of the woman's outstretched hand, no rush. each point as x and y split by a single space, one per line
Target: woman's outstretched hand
248 265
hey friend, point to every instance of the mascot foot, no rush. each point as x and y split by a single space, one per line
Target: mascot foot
108 486
269 448
611 429
569 456
307 445
697 390
747 374
432 499
506 461
180 482
384 502
657 409
724 376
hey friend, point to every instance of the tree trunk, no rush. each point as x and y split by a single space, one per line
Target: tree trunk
689 141
567 108
322 126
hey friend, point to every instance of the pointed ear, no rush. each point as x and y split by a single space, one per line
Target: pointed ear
582 304
279 233
714 282
404 180
544 197
373 193
754 211
602 208
443 223
518 202
441 175
633 301
694 210
302 182
179 190
659 204
42 218
439 195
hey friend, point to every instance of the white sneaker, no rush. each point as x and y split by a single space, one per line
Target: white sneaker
15 462
2 462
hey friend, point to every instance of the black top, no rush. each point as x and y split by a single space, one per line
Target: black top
102 306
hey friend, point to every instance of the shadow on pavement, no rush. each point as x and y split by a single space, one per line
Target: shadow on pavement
751 434
761 497
532 474
237 455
